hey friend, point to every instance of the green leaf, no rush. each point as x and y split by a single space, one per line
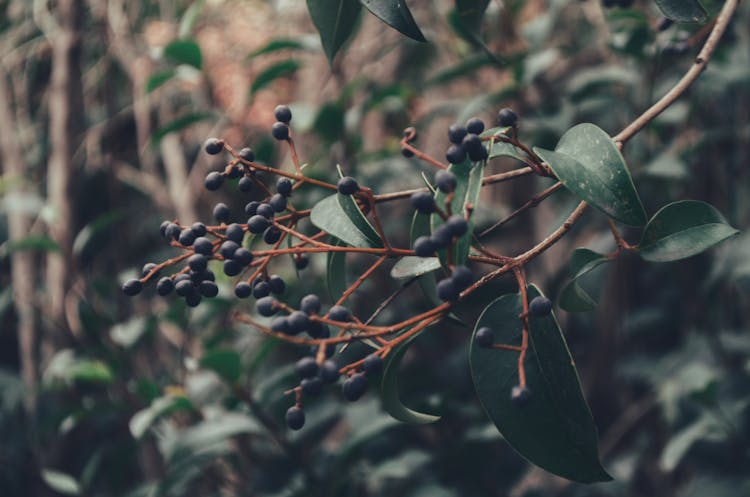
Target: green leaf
342 218
470 13
225 362
683 10
573 298
184 51
555 429
468 186
683 229
504 149
210 432
411 266
275 71
389 387
181 122
61 482
589 164
336 272
396 14
278 45
30 243
158 79
706 427
335 21
145 418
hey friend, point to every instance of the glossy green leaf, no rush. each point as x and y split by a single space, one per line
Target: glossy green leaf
389 387
331 216
503 149
336 272
555 430
278 70
411 266
335 21
396 14
468 186
145 418
589 164
61 483
683 229
278 45
225 362
573 298
184 51
180 123
158 79
683 10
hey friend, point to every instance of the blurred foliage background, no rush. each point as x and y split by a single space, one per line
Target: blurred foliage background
103 108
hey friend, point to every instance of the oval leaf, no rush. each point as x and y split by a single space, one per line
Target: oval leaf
555 430
184 52
683 10
225 362
389 387
410 266
336 272
573 298
589 164
683 229
396 14
274 72
61 482
329 215
335 21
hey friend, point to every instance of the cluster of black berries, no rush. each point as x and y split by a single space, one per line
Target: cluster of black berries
449 289
280 129
466 142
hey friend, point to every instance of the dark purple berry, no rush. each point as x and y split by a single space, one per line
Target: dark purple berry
245 184
266 306
242 290
213 146
339 313
354 387
478 154
261 289
172 231
283 113
347 185
265 210
199 229
213 180
235 172
484 337
280 131
311 386
257 224
278 202
310 304
423 247
540 306
234 232
407 153
232 267
329 372
193 299
198 262
306 367
455 154
298 322
184 288
447 290
506 117
163 228
247 154
203 245
164 286
372 364
441 237
295 418
475 125
132 287
319 330
284 186
423 202
462 277
228 248
208 289
276 284
280 325
456 133
221 212
520 396
664 24
251 208
446 181
147 268
187 237
271 235
243 256
301 261
456 225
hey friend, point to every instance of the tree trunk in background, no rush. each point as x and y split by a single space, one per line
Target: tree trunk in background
23 269
65 109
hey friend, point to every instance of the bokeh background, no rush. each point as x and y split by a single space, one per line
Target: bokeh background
104 106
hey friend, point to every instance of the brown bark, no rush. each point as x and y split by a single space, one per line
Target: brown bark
65 107
23 269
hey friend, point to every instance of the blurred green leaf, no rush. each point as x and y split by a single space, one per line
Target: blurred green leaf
389 387
706 427
61 482
210 432
159 78
278 45
127 333
32 243
555 429
278 70
336 216
184 51
683 10
683 229
329 122
335 21
225 362
191 15
589 164
396 14
145 418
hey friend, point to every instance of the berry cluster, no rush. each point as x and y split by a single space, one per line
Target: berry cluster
245 249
